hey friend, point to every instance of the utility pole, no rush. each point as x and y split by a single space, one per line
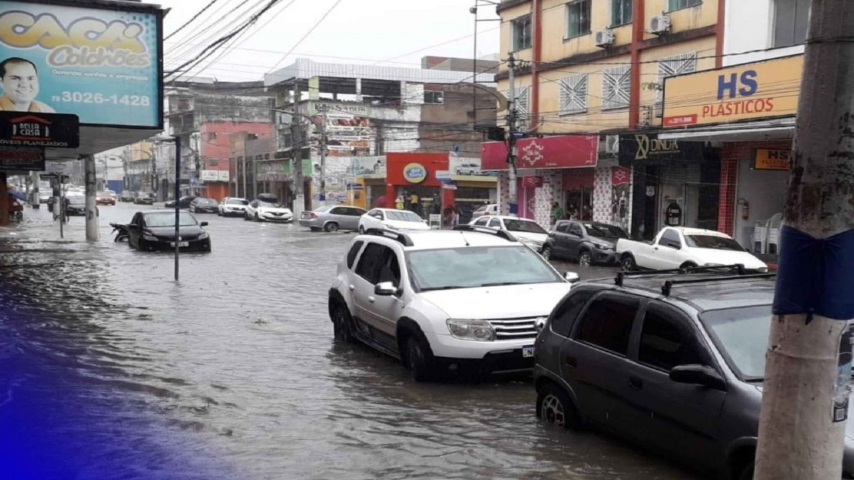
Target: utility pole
91 206
323 156
35 179
245 190
511 133
296 134
808 362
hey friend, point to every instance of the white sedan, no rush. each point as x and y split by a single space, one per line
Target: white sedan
382 218
232 206
526 231
261 211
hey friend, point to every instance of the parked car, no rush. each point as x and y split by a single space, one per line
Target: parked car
266 208
468 169
680 373
155 230
587 242
332 218
144 198
44 196
526 231
204 205
75 204
183 202
104 198
126 196
491 209
381 218
232 207
395 292
682 247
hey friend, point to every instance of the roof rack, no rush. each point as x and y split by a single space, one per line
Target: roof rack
401 237
492 231
668 285
621 276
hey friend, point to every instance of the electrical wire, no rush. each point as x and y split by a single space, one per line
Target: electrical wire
313 27
191 20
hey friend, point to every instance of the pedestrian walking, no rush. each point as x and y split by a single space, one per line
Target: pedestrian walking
557 212
399 203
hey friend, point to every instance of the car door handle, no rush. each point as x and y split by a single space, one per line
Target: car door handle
372 299
352 287
571 361
635 383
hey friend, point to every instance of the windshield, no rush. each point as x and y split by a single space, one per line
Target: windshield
742 336
167 219
605 231
712 241
262 204
76 199
470 267
236 201
403 216
523 226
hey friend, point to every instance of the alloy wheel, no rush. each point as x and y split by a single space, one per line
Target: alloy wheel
552 410
585 259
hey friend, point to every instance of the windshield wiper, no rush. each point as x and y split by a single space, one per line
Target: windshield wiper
447 287
498 284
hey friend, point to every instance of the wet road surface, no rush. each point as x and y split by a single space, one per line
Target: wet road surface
233 372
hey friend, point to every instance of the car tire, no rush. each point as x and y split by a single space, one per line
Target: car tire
419 358
687 265
554 407
627 262
362 229
547 253
342 323
245 216
331 227
257 218
585 258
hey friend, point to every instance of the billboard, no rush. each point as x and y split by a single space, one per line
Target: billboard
563 151
744 92
348 130
102 65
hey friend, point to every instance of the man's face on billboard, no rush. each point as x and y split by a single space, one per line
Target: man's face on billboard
21 83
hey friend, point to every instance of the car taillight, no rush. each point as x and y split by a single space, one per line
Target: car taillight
313 215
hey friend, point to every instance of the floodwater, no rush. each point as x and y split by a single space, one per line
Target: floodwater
110 369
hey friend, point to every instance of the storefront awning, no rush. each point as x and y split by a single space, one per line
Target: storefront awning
754 131
562 151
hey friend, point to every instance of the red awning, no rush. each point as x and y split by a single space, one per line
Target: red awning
565 151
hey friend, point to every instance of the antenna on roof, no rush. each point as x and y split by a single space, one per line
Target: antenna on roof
464 238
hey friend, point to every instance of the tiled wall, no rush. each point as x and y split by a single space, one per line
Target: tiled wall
546 195
602 195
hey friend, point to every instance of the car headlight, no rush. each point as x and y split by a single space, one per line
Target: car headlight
148 237
603 246
475 330
203 236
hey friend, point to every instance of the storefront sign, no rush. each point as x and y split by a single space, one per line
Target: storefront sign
101 64
29 129
620 175
414 173
210 175
443 175
223 176
743 92
649 149
532 181
767 159
564 151
22 158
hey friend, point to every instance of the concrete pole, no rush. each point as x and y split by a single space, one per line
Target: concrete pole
323 158
801 432
299 195
35 179
511 134
91 206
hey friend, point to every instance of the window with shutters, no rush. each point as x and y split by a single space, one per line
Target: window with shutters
791 19
616 84
670 67
573 94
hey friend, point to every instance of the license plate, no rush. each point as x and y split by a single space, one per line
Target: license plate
528 351
185 244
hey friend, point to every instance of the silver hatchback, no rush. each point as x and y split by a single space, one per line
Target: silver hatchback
332 218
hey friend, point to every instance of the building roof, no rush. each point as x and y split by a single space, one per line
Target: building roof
304 69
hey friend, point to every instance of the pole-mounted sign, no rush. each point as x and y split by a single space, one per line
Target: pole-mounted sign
35 129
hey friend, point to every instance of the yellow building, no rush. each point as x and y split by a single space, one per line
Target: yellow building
597 67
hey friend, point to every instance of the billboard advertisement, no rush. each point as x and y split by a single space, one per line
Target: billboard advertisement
101 65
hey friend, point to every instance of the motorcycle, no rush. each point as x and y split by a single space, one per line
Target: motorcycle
121 232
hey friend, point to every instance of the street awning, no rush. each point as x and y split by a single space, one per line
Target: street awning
754 131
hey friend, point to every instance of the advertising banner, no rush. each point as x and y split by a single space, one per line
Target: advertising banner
102 65
564 151
648 149
743 92
767 159
22 158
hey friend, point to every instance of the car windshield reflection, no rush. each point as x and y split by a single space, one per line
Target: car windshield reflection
167 219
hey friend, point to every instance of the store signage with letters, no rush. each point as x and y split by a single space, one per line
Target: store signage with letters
533 181
30 129
767 159
22 159
414 173
647 148
561 151
743 92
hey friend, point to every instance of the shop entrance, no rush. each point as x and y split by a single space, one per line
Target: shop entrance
578 204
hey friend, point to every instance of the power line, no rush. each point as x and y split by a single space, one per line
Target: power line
322 18
191 20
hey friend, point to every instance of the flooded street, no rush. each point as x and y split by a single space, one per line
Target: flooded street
233 371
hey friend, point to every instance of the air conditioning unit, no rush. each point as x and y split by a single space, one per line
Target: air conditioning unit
659 24
609 144
604 38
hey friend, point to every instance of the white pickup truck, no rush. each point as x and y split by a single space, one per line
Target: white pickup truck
681 247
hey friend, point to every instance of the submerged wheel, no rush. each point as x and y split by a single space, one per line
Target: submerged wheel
547 253
342 323
331 227
554 407
628 263
419 359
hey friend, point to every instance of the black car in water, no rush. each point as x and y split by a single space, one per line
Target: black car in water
144 198
183 202
155 230
204 205
75 205
126 196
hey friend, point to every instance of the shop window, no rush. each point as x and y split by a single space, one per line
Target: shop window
434 97
573 94
680 4
621 12
577 18
616 84
522 33
669 67
791 19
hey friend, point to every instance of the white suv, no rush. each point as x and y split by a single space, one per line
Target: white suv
445 300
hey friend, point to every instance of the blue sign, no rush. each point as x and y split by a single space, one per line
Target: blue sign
102 65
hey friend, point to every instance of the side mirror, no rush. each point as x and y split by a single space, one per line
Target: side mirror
698 375
204 224
571 277
385 289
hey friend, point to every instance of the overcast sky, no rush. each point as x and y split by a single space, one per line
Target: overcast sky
389 32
